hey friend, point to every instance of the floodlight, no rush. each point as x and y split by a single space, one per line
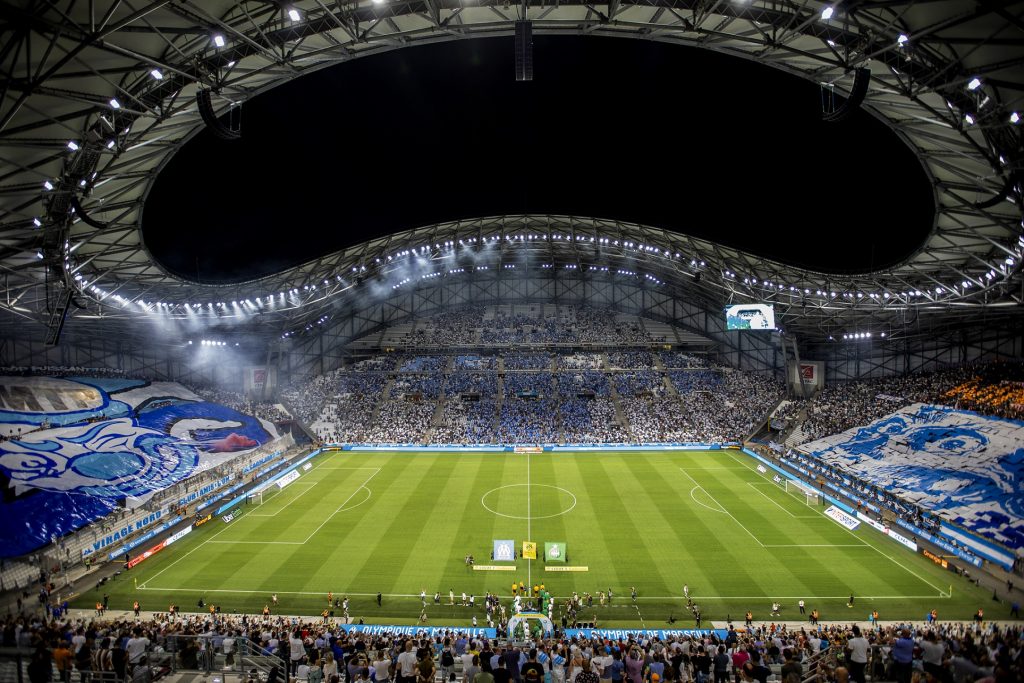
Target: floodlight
36 222
294 15
158 75
974 83
218 40
1014 117
72 145
114 104
902 40
969 119
827 13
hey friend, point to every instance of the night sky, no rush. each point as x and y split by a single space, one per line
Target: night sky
686 139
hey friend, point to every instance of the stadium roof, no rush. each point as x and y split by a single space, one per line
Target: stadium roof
99 95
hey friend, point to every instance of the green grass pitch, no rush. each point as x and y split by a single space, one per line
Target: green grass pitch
357 523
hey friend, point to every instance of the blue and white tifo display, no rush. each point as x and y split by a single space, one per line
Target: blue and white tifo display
76 447
962 466
750 317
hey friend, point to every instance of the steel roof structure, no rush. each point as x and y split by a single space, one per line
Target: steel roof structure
97 95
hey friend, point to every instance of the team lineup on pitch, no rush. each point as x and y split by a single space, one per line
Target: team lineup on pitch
357 524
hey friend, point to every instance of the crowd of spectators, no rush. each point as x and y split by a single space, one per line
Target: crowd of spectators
131 650
449 328
590 420
337 405
423 364
993 389
630 360
678 359
639 382
583 383
265 410
571 405
656 418
527 361
475 362
570 324
580 361
467 421
469 409
528 409
787 412
725 405
839 407
402 421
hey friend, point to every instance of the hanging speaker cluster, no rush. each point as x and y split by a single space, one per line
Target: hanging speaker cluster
212 121
860 89
524 51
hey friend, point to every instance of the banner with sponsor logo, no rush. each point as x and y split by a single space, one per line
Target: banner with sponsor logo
529 550
841 517
899 538
870 522
143 538
504 550
287 479
159 546
427 632
661 634
941 561
554 551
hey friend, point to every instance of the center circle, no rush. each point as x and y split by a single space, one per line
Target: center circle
542 498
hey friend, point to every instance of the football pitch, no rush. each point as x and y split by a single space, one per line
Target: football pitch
398 523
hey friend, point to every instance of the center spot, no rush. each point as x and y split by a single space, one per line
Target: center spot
544 501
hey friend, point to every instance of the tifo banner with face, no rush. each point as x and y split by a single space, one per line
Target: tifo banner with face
504 551
77 446
554 551
960 465
529 550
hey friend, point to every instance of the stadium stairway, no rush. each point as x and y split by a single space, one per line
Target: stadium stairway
620 414
796 437
762 424
498 403
385 396
438 419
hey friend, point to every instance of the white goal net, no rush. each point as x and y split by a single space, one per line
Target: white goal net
795 488
255 498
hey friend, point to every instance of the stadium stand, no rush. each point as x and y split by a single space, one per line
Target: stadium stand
122 648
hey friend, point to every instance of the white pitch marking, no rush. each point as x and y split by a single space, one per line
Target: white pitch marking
557 597
754 485
342 506
722 512
309 485
942 593
721 506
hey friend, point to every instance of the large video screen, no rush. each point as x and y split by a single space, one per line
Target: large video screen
750 317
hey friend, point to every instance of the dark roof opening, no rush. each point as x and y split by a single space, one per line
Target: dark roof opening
680 138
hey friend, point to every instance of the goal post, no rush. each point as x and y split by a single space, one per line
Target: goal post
255 498
795 488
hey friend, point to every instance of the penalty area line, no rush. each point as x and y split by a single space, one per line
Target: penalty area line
941 593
